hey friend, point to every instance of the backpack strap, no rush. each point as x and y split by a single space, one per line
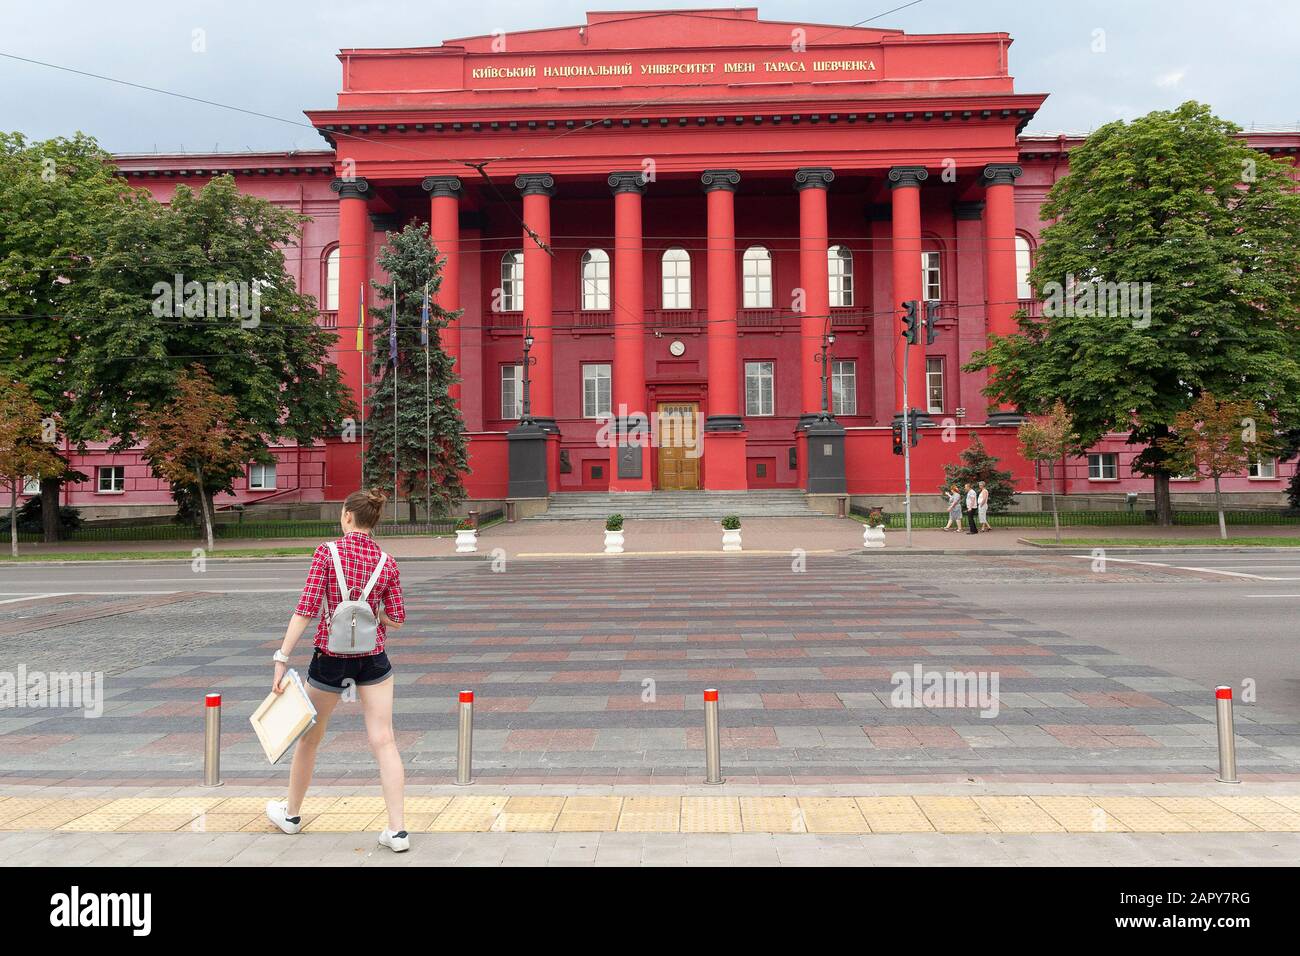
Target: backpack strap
338 572
374 576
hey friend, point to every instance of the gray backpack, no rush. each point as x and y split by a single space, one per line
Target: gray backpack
353 627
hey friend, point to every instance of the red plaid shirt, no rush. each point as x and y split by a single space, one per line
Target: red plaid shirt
358 554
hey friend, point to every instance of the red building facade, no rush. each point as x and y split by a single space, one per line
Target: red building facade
681 211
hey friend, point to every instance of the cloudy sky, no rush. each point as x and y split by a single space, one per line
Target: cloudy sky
276 57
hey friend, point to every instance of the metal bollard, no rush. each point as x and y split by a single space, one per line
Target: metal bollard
465 739
212 741
1227 738
712 738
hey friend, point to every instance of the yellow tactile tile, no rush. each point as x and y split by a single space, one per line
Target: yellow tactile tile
771 815
589 815
15 807
159 823
1291 803
260 824
371 805
430 805
711 815
1205 815
832 815
956 815
1081 815
222 822
339 823
468 814
893 815
53 815
651 814
1017 815
1243 805
526 821
1143 815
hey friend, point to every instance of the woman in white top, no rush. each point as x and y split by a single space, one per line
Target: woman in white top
983 501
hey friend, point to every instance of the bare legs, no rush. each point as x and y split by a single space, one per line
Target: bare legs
304 755
377 706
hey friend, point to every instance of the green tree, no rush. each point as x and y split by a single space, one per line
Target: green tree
195 441
24 451
1218 438
978 465
57 199
1177 200
412 263
1048 438
238 314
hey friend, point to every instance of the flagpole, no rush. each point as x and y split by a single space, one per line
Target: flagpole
428 474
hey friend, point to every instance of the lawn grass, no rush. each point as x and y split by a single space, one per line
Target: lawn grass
1257 541
288 552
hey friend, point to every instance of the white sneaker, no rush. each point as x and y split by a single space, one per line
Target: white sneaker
398 842
277 811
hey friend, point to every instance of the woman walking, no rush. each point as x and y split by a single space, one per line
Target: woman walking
982 502
352 568
953 496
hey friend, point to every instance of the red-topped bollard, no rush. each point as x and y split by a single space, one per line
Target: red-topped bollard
1227 735
465 739
712 738
212 740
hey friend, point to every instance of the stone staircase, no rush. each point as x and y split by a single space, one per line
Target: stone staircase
579 506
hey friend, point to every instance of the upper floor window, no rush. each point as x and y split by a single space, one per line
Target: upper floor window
332 280
934 398
595 279
1024 262
840 265
512 281
595 390
931 278
756 282
676 276
844 387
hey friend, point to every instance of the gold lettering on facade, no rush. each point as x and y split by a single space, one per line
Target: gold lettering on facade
579 70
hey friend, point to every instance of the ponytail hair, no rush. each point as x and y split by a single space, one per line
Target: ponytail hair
366 507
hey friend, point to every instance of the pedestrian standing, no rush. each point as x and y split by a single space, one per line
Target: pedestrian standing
982 501
972 508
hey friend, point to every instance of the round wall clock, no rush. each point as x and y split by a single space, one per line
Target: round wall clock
677 347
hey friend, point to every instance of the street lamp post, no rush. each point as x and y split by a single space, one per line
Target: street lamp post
828 339
526 418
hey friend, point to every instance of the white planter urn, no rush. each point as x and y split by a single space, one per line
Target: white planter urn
873 537
613 542
731 540
466 541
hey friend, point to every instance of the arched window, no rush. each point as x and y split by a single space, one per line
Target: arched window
595 279
840 265
1024 262
332 280
756 281
676 278
512 281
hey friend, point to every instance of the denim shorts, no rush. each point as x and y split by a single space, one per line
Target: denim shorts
333 674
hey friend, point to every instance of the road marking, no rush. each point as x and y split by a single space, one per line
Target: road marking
32 597
1184 567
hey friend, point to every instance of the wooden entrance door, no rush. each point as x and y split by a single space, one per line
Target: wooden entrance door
679 446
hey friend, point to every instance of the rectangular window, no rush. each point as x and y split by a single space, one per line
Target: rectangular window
31 486
934 385
931 286
512 391
844 387
760 396
111 479
261 477
595 391
1103 466
1265 468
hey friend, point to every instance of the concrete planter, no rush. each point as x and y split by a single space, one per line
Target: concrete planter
731 540
466 541
873 537
613 542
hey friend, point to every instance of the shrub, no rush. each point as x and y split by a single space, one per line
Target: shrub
731 523
614 523
876 518
29 518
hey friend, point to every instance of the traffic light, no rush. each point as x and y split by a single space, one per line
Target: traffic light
911 321
913 433
898 438
931 320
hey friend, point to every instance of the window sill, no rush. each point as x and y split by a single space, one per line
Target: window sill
101 492
1105 480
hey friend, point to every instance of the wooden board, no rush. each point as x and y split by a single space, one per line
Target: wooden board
282 718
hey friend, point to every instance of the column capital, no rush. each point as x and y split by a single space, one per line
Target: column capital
354 187
535 184
813 177
904 176
1001 174
627 181
968 211
441 186
727 179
